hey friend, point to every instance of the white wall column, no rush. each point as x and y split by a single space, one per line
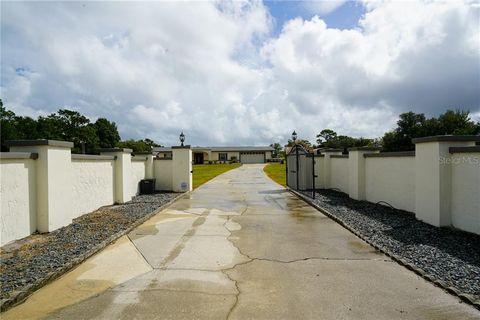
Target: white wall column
327 165
433 177
182 169
54 180
123 172
148 163
356 171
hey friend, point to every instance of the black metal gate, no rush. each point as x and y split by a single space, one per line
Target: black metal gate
301 170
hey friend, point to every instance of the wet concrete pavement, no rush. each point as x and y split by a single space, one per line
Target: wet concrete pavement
241 247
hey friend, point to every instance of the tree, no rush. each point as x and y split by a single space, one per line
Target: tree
326 135
107 133
138 145
412 125
277 148
69 125
7 126
328 138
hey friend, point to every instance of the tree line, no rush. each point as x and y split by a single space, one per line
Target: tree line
67 125
410 125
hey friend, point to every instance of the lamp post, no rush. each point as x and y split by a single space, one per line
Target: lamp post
294 136
182 138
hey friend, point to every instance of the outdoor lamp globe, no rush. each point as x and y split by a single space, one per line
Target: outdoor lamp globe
182 138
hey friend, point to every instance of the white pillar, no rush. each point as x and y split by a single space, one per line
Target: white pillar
433 177
182 169
356 171
327 165
149 166
123 173
148 163
54 181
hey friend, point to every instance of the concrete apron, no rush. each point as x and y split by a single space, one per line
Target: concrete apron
241 247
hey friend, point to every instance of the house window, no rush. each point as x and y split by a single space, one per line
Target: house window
222 156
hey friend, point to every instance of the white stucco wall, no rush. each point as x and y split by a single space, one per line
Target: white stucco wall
339 174
137 174
465 203
162 172
92 185
391 179
17 198
268 155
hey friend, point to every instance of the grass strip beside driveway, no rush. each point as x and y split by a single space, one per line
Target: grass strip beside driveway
276 172
205 172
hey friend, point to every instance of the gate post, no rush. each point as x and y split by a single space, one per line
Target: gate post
182 169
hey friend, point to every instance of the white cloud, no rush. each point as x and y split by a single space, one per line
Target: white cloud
213 70
323 7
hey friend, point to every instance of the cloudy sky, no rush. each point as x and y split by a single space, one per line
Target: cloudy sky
241 72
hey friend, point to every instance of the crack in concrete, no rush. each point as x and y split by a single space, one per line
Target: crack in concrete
140 252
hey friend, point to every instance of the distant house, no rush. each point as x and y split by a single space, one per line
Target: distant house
222 154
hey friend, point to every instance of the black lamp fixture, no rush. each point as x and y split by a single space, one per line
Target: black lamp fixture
294 136
182 138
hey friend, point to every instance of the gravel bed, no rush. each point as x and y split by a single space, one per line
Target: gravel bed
34 259
445 254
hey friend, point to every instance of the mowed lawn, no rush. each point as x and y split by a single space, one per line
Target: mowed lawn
205 172
276 172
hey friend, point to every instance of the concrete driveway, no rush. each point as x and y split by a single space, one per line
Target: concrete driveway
241 247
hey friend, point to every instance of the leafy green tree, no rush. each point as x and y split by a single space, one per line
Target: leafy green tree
412 125
107 133
138 145
7 126
326 135
277 148
72 126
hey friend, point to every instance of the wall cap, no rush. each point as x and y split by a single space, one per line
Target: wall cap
339 156
139 159
390 154
143 153
464 149
92 157
125 150
364 149
39 142
18 155
446 138
182 147
331 150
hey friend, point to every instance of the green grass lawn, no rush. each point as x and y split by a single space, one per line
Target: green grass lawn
276 172
205 172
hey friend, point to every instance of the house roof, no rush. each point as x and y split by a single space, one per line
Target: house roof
220 149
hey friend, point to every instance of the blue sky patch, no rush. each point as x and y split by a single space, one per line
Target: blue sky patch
345 16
